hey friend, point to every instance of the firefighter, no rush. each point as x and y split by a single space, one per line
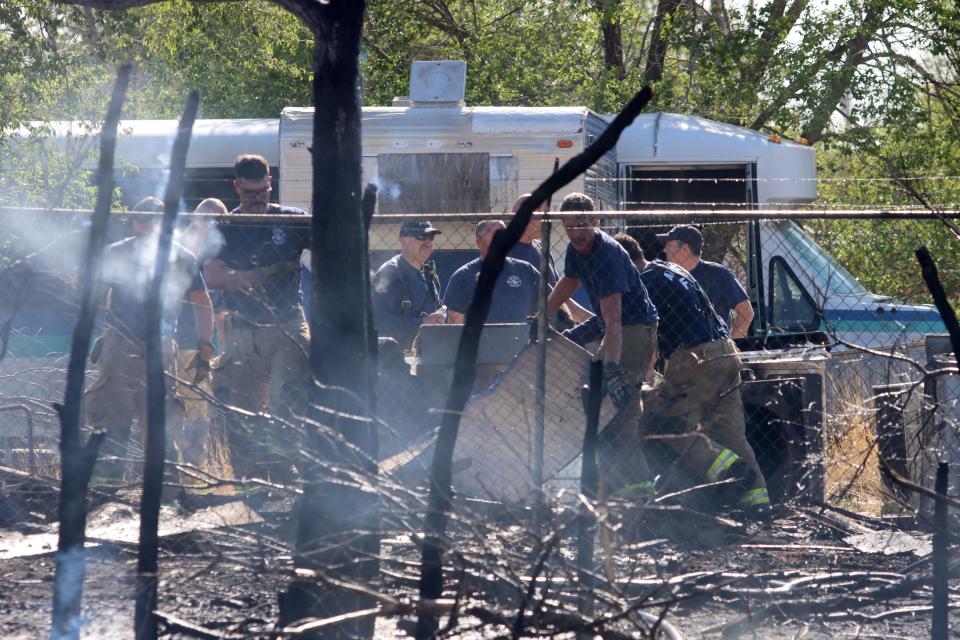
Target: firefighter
683 245
700 387
264 364
118 396
514 295
628 319
405 291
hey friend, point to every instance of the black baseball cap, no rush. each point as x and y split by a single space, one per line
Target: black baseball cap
685 234
417 229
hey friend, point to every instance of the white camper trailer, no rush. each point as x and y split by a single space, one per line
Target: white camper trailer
431 153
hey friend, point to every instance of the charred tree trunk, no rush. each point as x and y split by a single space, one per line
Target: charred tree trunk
338 520
464 373
145 624
589 483
77 459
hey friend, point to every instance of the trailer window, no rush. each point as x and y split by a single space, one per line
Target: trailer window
791 308
699 187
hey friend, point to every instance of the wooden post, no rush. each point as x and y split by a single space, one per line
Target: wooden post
543 327
589 481
941 571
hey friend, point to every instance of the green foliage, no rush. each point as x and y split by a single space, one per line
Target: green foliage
873 83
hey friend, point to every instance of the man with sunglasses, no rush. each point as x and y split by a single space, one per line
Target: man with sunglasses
264 363
405 290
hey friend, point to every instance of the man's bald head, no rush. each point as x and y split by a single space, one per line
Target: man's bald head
532 232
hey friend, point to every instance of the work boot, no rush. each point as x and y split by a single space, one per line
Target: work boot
738 480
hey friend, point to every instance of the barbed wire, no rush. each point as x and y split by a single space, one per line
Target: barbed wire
710 213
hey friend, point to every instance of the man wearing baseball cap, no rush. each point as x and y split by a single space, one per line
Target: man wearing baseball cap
405 289
682 246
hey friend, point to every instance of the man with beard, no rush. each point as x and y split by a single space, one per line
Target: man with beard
264 365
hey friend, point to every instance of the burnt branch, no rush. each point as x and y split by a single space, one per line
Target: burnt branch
77 460
145 622
431 578
932 277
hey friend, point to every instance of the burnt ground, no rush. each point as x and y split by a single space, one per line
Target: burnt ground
799 575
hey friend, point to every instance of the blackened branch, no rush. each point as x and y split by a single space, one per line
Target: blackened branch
76 459
431 577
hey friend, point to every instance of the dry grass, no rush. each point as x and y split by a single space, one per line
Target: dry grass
850 450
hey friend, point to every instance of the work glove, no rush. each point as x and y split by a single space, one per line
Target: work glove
562 321
202 364
616 386
533 323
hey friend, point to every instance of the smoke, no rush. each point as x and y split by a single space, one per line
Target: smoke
68 587
133 270
388 188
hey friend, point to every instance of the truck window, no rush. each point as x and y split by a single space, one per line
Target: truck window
834 277
791 308
702 187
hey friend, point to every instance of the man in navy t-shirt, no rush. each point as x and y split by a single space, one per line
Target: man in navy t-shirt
529 248
683 245
514 295
629 318
264 364
701 384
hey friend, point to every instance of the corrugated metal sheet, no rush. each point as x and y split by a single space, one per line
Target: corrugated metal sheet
597 183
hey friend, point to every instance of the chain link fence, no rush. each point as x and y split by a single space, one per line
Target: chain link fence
832 378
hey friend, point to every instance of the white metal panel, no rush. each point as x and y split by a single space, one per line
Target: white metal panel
146 144
538 120
786 171
447 129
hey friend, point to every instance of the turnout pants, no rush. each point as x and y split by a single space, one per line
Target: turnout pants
701 392
263 368
621 461
192 445
119 396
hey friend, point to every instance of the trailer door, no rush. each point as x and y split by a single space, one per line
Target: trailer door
434 182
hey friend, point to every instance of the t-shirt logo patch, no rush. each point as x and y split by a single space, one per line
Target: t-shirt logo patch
514 282
279 236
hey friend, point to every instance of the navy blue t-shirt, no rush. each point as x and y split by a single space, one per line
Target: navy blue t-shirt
127 268
686 316
721 286
608 269
514 294
529 252
248 245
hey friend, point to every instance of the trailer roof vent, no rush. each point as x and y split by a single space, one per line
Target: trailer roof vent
438 81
